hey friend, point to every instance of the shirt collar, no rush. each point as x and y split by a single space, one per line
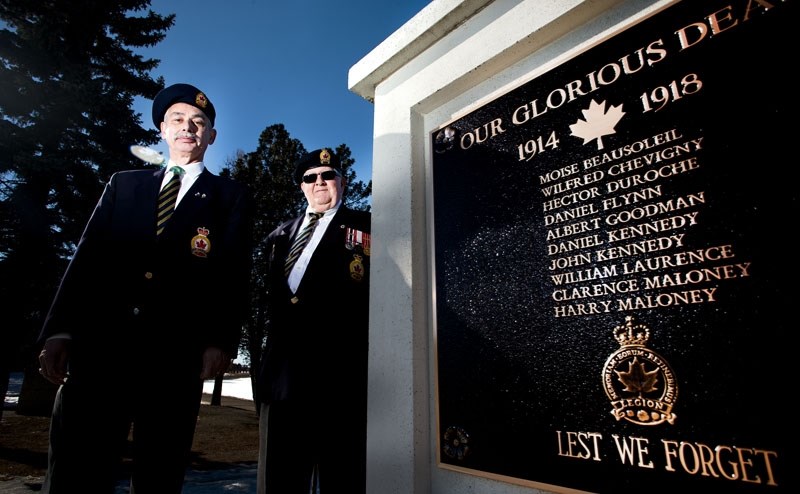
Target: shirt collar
327 213
192 170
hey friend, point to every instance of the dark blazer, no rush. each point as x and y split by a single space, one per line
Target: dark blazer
126 289
317 339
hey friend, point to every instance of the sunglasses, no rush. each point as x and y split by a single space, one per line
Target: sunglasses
326 175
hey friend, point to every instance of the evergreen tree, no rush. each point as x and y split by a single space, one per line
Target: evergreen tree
269 171
68 79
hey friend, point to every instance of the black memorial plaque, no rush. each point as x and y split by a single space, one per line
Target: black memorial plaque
614 254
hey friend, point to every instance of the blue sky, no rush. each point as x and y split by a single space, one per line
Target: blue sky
264 62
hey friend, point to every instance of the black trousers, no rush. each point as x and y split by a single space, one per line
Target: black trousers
99 421
306 444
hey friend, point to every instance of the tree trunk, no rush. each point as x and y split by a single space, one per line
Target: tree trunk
253 386
216 395
5 375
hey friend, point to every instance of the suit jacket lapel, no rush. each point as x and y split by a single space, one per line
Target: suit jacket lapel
192 204
287 238
293 229
330 235
153 186
328 241
201 190
149 190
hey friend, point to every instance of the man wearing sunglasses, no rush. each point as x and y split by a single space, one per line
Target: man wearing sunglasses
312 385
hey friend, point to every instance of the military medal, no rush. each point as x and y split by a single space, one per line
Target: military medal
355 238
201 245
366 241
357 268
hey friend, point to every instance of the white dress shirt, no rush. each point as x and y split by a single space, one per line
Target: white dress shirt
305 257
190 174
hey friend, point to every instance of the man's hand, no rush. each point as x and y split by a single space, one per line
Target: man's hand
53 360
215 362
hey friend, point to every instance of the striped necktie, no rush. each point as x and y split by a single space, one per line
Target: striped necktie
301 241
167 199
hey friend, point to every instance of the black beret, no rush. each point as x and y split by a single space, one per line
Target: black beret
319 157
181 93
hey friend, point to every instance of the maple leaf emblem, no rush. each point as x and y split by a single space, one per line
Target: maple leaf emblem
598 122
637 379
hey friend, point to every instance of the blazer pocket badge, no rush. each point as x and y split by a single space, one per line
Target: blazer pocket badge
357 268
201 245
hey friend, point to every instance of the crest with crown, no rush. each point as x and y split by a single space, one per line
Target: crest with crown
325 157
201 101
630 334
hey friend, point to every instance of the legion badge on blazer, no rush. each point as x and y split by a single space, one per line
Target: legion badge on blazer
357 268
201 245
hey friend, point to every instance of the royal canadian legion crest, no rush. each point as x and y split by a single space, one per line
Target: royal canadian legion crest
638 381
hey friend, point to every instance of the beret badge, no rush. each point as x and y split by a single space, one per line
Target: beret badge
201 100
324 157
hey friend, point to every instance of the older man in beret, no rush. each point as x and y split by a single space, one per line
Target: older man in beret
312 386
150 306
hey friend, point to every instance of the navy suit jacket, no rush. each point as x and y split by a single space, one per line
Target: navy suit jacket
126 289
317 340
